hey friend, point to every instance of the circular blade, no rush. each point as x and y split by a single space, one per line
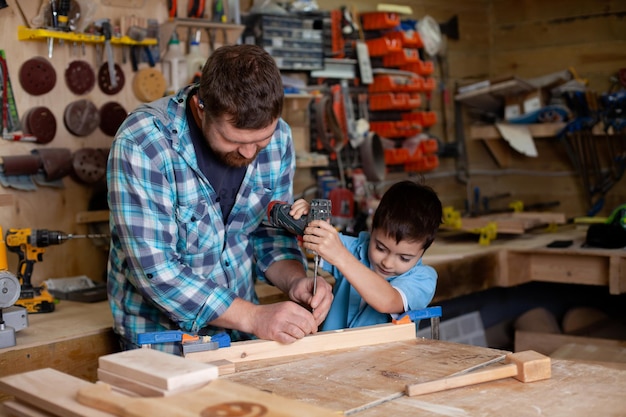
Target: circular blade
9 289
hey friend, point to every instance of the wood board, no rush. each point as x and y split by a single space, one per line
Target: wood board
50 390
218 398
158 369
315 343
19 409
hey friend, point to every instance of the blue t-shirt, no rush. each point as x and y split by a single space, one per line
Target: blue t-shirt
417 287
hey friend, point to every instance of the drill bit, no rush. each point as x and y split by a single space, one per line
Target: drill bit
316 261
88 236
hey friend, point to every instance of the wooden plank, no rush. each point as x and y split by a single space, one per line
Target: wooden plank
19 409
219 397
320 342
141 389
158 369
50 390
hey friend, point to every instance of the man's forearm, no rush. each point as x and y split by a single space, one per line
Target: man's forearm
283 273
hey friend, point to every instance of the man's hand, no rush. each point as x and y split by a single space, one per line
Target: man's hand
302 292
283 322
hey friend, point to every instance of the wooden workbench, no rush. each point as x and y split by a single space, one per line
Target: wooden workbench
72 338
369 382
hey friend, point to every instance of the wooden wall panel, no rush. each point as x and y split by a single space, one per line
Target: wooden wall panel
47 207
513 12
497 38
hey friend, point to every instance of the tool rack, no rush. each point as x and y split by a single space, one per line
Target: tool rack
27 34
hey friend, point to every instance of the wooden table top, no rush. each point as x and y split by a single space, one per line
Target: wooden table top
369 382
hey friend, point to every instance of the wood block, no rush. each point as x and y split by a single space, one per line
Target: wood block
158 369
531 366
127 385
50 390
319 342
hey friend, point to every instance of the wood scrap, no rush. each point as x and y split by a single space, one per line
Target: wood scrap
133 387
19 409
160 370
50 390
315 343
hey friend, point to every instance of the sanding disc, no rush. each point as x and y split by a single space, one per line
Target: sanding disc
41 123
104 80
149 84
80 77
81 117
89 165
37 76
112 114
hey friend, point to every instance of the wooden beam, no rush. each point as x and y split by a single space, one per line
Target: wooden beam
320 342
50 390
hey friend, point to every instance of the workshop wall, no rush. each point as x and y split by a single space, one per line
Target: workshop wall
497 38
51 207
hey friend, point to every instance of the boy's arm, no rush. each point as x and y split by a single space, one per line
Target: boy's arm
321 237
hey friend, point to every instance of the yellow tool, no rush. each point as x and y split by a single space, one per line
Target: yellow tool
29 244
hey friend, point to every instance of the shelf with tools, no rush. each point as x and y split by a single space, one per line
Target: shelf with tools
230 31
27 34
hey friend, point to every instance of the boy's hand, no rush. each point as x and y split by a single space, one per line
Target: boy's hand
322 238
299 208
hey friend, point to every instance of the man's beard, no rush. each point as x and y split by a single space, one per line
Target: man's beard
235 160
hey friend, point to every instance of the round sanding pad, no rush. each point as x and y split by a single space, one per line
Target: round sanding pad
149 84
80 77
104 80
37 76
81 117
112 114
41 123
89 165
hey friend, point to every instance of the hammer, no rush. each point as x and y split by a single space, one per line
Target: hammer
527 366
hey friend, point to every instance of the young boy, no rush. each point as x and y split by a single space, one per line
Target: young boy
379 275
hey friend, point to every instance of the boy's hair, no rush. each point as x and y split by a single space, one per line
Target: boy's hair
243 84
409 211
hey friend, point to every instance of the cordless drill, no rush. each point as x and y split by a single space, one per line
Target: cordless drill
29 245
278 216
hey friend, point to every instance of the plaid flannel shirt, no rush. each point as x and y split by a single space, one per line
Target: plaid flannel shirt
173 262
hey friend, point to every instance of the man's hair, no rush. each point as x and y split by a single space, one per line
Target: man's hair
243 84
409 211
